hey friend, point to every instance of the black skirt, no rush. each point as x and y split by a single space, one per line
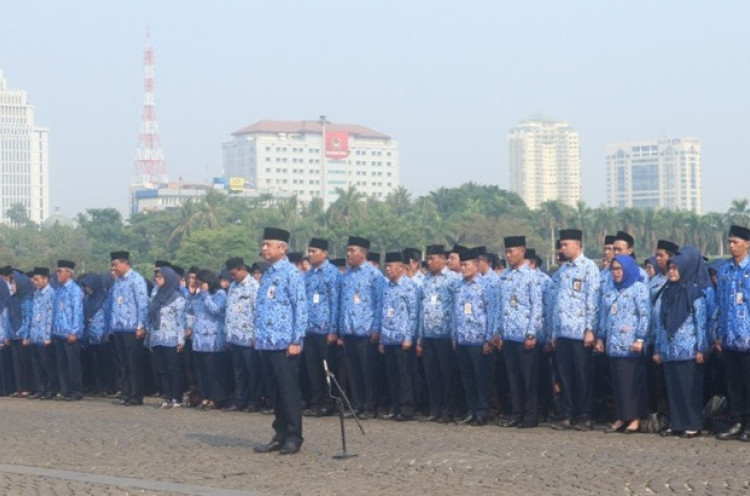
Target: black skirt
629 387
685 395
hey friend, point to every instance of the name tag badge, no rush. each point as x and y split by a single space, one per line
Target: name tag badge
513 301
467 308
357 300
239 308
740 298
39 318
62 307
316 298
119 300
577 284
433 299
613 309
390 312
271 292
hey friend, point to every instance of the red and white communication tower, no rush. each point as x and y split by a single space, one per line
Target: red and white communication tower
150 167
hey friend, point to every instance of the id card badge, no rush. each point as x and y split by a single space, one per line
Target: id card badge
739 298
357 300
271 292
390 312
513 301
467 308
119 300
613 309
316 298
577 284
433 299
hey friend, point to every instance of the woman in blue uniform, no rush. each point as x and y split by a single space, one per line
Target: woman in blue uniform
679 322
623 327
209 305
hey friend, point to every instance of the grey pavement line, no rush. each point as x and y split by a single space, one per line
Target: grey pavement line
126 482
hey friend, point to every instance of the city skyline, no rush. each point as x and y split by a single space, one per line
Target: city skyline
449 87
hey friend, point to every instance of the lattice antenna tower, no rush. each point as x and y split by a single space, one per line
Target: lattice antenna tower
150 167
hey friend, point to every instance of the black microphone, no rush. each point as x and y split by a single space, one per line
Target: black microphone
328 374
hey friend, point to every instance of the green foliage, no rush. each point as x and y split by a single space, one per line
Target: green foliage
206 232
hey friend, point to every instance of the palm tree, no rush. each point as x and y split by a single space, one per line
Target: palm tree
399 201
347 206
187 220
739 213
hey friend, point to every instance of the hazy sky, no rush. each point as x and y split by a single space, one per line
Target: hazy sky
447 81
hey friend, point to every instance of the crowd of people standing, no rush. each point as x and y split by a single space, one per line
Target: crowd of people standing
464 336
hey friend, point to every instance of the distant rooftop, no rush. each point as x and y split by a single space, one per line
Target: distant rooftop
544 119
312 127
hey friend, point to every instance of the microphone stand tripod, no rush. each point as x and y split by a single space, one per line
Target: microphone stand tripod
342 401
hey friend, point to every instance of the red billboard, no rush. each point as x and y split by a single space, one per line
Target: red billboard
337 145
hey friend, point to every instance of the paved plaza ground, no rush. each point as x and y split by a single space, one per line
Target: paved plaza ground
93 447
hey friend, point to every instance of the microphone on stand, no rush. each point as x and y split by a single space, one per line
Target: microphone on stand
328 374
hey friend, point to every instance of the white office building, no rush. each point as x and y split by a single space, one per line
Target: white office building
24 156
657 173
286 158
545 161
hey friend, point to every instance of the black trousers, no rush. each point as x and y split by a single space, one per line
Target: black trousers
22 373
522 367
69 372
628 379
6 372
657 390
188 365
317 349
45 369
130 356
737 365
247 376
211 369
360 366
284 372
574 364
103 367
169 369
475 375
439 361
399 366
685 395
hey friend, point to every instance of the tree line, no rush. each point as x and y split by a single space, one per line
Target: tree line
205 232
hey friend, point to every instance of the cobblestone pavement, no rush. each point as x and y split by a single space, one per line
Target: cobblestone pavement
214 450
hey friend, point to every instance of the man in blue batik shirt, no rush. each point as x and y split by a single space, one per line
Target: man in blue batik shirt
127 320
434 334
67 332
280 327
40 336
733 335
519 327
239 325
664 251
575 314
361 301
322 287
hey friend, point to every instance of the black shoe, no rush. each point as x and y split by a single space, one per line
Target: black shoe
445 420
309 412
266 411
232 408
468 418
35 396
610 429
584 425
529 424
668 433
47 397
430 418
691 435
562 425
479 422
387 416
273 445
508 423
734 432
290 447
745 436
403 418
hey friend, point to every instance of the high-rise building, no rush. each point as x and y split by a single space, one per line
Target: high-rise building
545 161
311 159
24 157
658 173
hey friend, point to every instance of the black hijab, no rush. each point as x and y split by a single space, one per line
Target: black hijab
94 301
209 278
678 297
24 290
165 295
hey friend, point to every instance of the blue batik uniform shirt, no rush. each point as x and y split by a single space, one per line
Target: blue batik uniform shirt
322 288
68 314
42 311
436 305
520 300
472 310
400 312
208 328
361 300
129 304
733 299
545 281
281 308
624 318
576 307
171 331
240 317
690 338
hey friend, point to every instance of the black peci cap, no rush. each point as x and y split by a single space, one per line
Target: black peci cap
275 234
66 264
471 254
739 232
358 241
319 243
514 241
235 263
373 256
339 262
41 271
667 246
623 236
571 234
295 257
530 254
394 256
435 250
609 239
